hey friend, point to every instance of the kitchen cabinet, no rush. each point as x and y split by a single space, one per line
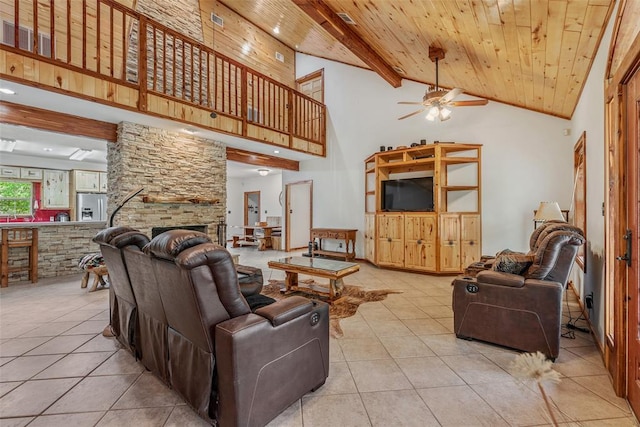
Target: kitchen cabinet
390 248
86 181
31 173
420 241
9 172
103 181
55 189
370 237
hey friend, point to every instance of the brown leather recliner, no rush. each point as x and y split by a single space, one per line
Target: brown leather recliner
123 305
521 311
234 366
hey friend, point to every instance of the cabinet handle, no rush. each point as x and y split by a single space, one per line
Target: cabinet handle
450 242
419 241
388 239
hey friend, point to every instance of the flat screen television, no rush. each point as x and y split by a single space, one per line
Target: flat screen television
411 194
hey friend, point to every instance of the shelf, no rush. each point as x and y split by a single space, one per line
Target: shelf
334 254
459 187
372 170
455 160
371 193
179 200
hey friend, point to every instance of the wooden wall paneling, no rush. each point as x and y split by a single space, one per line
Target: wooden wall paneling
267 135
624 34
243 156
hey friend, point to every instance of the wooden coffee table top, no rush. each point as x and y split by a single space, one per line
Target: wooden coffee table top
315 266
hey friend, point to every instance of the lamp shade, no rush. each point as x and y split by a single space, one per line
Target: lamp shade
548 211
263 172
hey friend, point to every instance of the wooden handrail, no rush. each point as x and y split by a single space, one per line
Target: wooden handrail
167 63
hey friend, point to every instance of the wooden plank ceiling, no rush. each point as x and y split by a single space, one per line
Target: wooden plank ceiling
534 54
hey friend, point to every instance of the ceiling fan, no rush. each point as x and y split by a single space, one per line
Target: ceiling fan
437 100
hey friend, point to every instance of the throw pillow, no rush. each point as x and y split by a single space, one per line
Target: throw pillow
508 261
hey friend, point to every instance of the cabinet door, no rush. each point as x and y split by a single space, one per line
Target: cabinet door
103 182
55 189
86 180
31 173
470 239
450 243
420 239
370 237
9 172
390 250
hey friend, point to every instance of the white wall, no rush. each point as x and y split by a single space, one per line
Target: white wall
49 163
589 117
526 158
269 187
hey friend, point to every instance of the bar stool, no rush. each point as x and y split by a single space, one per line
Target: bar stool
19 238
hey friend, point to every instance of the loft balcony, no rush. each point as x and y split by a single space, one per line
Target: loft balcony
105 52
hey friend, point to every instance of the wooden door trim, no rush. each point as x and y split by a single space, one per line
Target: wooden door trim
311 76
287 221
246 205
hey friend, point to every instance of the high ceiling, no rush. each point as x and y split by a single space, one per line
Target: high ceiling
534 54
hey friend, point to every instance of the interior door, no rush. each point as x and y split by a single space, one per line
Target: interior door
630 257
251 207
298 215
312 85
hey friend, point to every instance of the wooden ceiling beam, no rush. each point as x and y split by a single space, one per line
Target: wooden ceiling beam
251 158
24 115
340 30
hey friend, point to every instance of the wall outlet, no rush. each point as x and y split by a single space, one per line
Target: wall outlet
340 245
589 301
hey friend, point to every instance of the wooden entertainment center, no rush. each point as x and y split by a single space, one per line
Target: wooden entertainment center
443 240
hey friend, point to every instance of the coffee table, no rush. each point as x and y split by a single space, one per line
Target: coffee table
331 269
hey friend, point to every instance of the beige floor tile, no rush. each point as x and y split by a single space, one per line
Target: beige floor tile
20 346
93 394
378 375
5 360
183 415
15 422
397 408
438 311
405 346
120 363
146 417
571 365
515 403
460 406
50 329
99 343
615 422
376 311
601 385
408 312
147 391
335 352
61 344
356 327
79 315
425 326
339 381
24 368
386 328
589 353
363 349
579 403
87 327
290 417
425 372
447 345
74 365
476 369
6 387
14 329
33 397
346 410
84 419
447 322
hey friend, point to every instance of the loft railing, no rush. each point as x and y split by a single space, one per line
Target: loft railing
107 40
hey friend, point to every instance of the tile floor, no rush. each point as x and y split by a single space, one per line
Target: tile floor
398 364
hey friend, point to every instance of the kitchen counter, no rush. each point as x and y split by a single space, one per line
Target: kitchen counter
60 246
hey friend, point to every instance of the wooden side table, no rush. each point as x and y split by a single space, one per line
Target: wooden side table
347 235
19 238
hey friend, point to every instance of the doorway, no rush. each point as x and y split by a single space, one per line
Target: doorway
312 85
298 202
251 207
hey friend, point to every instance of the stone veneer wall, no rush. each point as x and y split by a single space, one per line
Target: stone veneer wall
60 247
166 164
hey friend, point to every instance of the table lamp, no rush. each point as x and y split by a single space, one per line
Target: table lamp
547 211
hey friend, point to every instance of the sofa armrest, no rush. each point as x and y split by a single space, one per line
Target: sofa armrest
500 278
283 311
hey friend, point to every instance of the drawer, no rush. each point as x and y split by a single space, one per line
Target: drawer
320 234
31 173
9 172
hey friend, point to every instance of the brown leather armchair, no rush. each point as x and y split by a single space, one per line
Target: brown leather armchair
521 311
123 305
234 366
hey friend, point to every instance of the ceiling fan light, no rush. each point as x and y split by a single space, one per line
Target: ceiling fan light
433 111
430 117
444 114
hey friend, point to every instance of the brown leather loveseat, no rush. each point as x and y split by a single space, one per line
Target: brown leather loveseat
520 309
232 366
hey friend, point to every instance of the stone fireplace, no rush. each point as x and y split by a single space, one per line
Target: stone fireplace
175 170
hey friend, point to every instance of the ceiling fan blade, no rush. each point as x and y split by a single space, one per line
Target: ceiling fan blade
409 103
451 94
411 114
469 103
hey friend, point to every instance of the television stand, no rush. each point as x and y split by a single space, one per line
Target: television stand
346 235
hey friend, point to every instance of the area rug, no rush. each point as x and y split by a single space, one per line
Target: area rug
345 306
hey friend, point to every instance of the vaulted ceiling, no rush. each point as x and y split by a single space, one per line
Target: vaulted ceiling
534 54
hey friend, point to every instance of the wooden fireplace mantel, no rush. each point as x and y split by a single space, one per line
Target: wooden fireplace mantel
179 199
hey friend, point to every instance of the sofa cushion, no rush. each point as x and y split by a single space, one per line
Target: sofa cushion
512 262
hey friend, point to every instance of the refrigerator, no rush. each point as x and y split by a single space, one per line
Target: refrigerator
91 207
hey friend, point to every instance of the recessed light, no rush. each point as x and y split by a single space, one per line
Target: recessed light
6 91
7 144
190 131
48 149
276 30
276 151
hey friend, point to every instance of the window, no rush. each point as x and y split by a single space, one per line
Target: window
15 198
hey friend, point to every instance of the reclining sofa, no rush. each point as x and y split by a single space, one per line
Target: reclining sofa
521 309
197 332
